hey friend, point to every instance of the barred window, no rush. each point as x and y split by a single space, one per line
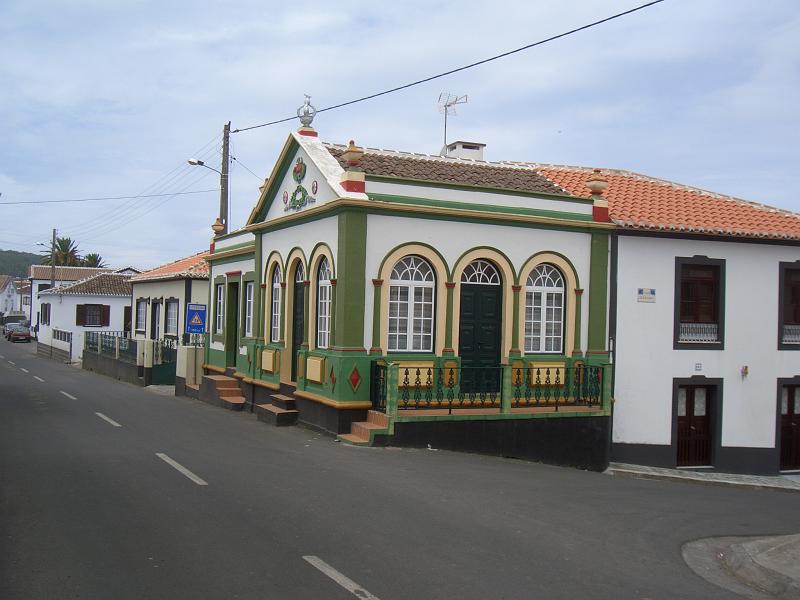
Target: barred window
544 310
411 302
275 325
324 277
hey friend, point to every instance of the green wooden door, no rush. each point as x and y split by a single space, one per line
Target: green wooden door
232 325
480 322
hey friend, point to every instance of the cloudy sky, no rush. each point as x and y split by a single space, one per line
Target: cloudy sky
102 98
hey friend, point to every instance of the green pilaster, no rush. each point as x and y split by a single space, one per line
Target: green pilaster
258 292
448 322
576 348
515 351
598 292
351 258
377 284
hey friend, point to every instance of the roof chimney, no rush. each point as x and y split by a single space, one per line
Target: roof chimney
461 149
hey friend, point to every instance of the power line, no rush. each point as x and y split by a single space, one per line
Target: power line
240 163
463 68
106 198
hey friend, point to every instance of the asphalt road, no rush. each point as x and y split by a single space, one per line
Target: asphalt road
90 510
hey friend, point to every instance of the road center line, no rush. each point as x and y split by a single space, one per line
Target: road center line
181 469
70 396
37 378
24 370
1 356
105 418
11 362
347 583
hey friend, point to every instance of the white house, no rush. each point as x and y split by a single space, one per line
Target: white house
42 277
9 297
160 297
100 302
705 320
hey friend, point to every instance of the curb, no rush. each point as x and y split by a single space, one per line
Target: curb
634 474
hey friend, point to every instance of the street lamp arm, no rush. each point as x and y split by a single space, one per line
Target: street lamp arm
199 163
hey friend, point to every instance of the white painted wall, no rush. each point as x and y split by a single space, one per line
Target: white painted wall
163 290
216 270
478 197
325 192
646 362
63 313
9 299
305 237
452 239
234 239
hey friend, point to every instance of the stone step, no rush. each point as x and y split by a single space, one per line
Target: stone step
353 439
227 385
274 415
232 403
283 401
378 418
229 392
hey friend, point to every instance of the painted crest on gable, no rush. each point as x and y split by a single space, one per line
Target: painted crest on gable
300 197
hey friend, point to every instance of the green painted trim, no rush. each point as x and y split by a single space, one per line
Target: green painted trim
245 278
232 247
480 188
515 320
509 263
448 319
604 412
351 256
504 210
232 259
428 246
598 292
218 337
286 265
376 314
576 347
285 160
313 255
332 325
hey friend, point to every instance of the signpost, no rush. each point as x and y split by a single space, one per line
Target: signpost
196 318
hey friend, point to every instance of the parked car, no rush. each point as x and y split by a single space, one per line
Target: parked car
16 332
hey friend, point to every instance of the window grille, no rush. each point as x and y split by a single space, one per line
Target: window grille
275 325
248 309
299 273
324 277
482 272
411 303
544 310
94 315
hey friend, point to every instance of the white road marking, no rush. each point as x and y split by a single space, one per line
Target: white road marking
70 396
1 356
105 418
24 370
37 378
180 468
11 362
347 583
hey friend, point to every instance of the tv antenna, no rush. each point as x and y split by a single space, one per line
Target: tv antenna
447 106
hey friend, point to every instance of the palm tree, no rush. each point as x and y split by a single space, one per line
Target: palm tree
66 253
93 260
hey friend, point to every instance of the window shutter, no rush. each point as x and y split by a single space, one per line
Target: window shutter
105 315
80 314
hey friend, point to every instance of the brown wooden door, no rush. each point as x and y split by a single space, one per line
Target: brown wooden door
790 428
695 435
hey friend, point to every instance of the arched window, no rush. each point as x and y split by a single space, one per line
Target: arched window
544 310
299 273
275 321
411 297
480 271
324 277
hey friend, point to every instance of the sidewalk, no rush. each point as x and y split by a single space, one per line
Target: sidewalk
783 483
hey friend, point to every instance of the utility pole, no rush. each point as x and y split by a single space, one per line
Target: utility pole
223 177
52 263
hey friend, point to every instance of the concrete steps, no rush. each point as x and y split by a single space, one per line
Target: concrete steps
224 391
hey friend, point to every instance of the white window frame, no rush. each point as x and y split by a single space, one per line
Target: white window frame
324 276
275 323
171 321
412 306
219 308
248 309
141 315
545 292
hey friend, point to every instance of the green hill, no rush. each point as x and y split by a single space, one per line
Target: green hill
16 263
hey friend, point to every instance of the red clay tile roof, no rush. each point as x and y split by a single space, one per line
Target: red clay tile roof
640 202
458 171
63 273
191 267
101 284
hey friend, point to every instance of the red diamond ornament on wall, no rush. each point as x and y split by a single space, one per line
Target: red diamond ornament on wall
354 378
333 379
